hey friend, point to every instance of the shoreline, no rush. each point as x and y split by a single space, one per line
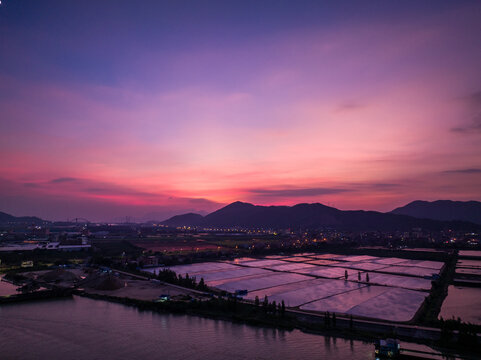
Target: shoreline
191 299
240 312
259 319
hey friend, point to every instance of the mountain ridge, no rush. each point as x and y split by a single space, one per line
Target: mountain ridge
8 218
443 210
188 219
315 215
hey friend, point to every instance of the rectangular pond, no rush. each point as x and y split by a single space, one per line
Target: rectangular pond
230 274
297 259
468 271
469 263
374 302
193 269
437 265
324 262
470 253
356 258
462 302
264 263
410 270
390 261
399 281
330 272
361 265
306 291
291 267
326 256
262 282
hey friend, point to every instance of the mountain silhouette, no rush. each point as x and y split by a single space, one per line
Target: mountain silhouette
312 216
189 219
10 219
445 210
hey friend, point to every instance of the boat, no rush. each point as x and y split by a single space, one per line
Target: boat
387 349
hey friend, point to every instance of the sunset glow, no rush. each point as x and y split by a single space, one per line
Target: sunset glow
182 108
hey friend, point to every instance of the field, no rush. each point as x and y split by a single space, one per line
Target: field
464 302
374 302
383 288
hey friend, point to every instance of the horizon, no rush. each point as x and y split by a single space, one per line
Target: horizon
165 108
140 219
274 171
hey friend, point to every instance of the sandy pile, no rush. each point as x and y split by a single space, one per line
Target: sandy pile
59 275
103 282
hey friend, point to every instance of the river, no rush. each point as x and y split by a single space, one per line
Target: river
81 328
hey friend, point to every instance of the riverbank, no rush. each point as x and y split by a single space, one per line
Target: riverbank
83 328
230 309
36 295
171 293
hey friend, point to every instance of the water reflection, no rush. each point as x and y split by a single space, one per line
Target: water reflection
463 302
7 288
102 330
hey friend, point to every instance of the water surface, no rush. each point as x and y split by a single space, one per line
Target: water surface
462 302
81 328
7 288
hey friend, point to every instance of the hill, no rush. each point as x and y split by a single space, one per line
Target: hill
444 210
10 219
189 219
239 214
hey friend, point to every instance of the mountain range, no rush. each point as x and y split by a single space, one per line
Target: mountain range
434 215
239 214
444 210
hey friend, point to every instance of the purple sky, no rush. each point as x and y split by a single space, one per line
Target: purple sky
148 109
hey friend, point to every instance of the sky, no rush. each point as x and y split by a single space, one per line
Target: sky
153 108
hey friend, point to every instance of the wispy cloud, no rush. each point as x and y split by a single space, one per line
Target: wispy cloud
468 129
372 185
297 192
62 180
472 103
473 99
346 110
306 192
463 171
31 185
94 200
117 191
350 106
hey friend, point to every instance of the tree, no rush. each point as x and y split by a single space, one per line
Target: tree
334 319
359 276
345 275
202 284
367 277
257 302
283 308
351 323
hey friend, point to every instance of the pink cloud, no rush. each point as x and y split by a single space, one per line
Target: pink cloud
294 116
